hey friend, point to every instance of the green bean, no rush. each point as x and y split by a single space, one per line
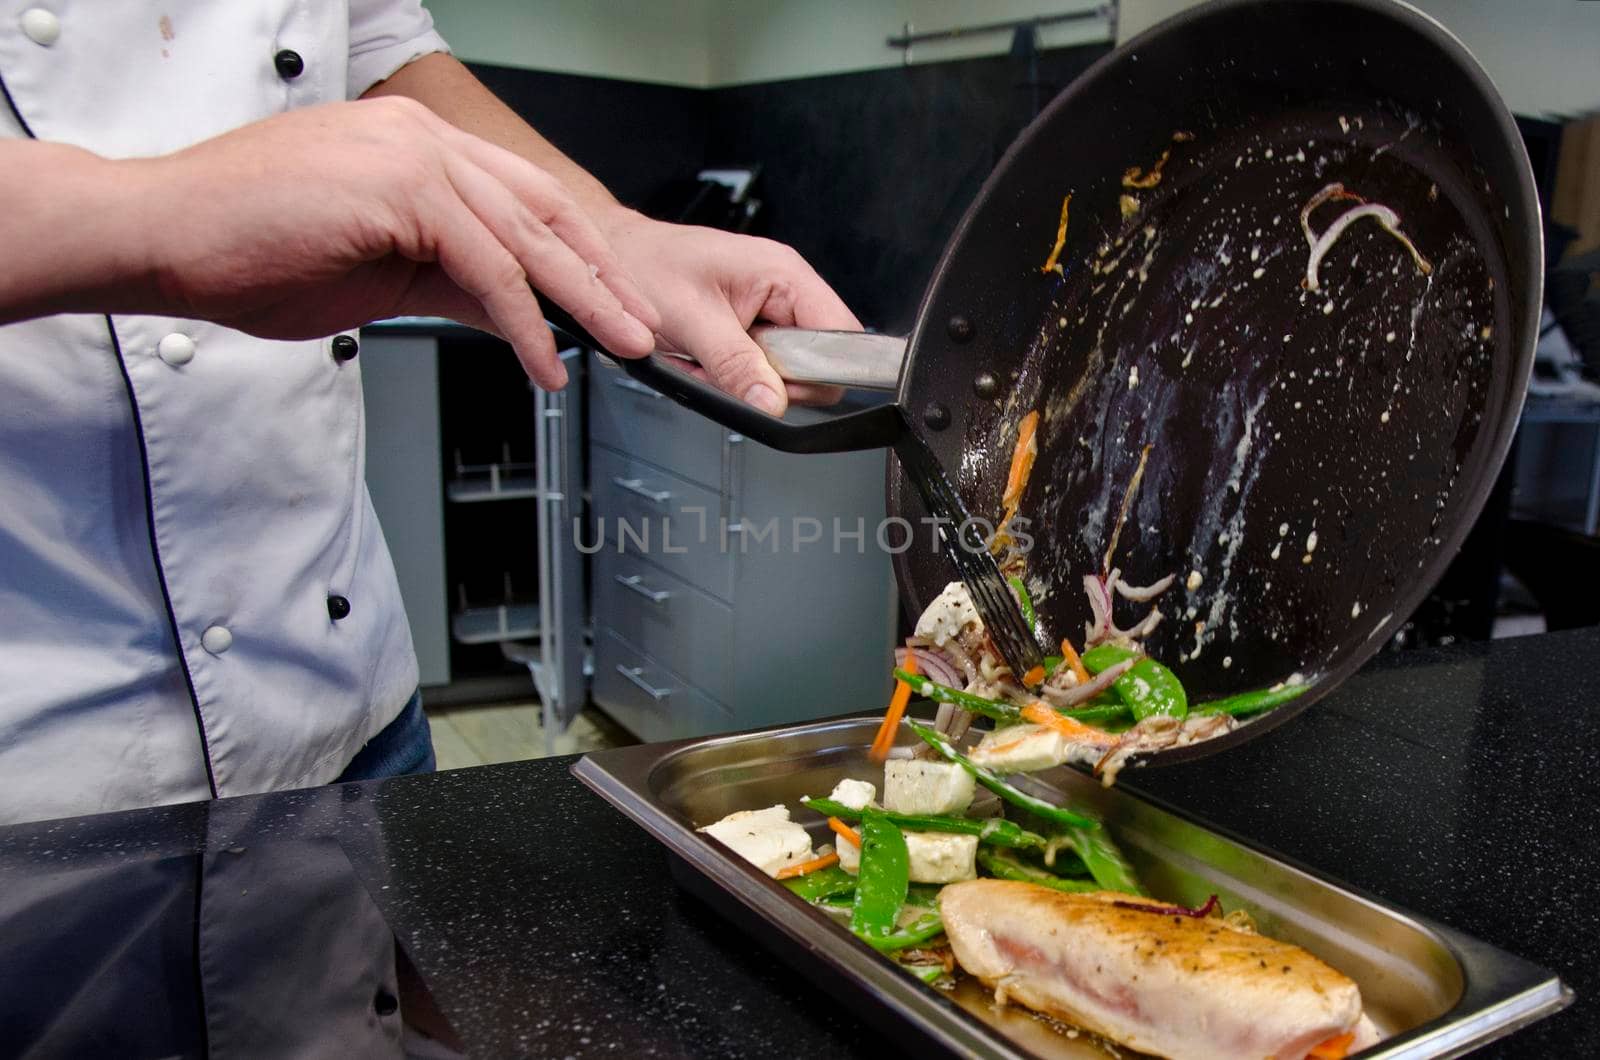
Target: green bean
989 708
1057 815
1004 866
1026 601
1104 860
882 879
994 830
1148 688
928 973
1252 702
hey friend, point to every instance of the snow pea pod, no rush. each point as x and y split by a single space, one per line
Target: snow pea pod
882 880
1148 688
915 933
824 883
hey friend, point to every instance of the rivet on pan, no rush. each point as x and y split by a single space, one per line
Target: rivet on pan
985 385
959 328
936 416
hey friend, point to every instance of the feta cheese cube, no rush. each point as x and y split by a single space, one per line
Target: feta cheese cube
940 857
765 838
915 785
855 794
1022 749
935 857
849 855
950 613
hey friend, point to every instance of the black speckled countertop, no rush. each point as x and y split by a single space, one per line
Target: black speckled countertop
1462 783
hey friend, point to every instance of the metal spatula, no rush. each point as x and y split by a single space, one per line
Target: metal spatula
872 362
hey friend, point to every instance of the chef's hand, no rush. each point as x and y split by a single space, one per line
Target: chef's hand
711 286
319 220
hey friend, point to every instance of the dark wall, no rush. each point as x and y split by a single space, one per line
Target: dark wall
866 173
634 137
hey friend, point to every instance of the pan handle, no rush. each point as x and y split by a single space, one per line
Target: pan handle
856 359
874 428
878 427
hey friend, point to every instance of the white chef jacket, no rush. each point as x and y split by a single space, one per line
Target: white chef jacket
178 501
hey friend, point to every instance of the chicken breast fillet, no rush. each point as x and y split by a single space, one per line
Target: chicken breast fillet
1175 986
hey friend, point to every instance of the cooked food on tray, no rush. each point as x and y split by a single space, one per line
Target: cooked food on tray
1098 709
1046 912
1155 978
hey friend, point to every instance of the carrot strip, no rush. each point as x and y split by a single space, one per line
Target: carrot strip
1053 262
848 834
1022 458
891 718
1071 728
1135 177
1033 677
800 869
1334 1048
1070 654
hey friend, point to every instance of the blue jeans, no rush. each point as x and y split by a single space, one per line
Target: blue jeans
403 746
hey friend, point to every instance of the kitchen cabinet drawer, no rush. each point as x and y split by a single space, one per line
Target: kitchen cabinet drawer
687 630
645 513
630 417
647 698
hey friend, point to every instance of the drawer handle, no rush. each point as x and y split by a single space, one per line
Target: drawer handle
633 386
632 581
639 489
635 674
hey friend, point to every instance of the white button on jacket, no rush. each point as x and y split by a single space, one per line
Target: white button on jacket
41 26
169 538
176 349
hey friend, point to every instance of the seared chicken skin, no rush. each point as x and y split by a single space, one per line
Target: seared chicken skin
1175 986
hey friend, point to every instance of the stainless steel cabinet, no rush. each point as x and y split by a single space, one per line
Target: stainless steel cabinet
733 586
689 581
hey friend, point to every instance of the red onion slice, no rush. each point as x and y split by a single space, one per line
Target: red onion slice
932 665
1099 628
1141 594
1068 697
1198 913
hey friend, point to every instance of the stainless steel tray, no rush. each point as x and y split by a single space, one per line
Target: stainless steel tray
1433 990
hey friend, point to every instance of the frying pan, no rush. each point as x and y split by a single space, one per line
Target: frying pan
1315 455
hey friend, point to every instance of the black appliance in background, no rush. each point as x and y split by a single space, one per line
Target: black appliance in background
716 198
1550 563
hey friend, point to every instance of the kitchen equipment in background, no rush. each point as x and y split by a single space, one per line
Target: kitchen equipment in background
505 479
1433 990
733 586
508 618
686 637
1322 439
724 198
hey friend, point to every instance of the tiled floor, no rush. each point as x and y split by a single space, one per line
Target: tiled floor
511 732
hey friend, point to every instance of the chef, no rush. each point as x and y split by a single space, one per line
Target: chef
203 202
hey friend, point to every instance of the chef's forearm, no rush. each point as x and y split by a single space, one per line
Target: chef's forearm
450 90
71 233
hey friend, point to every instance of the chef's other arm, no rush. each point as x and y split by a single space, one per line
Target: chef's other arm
709 286
256 230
